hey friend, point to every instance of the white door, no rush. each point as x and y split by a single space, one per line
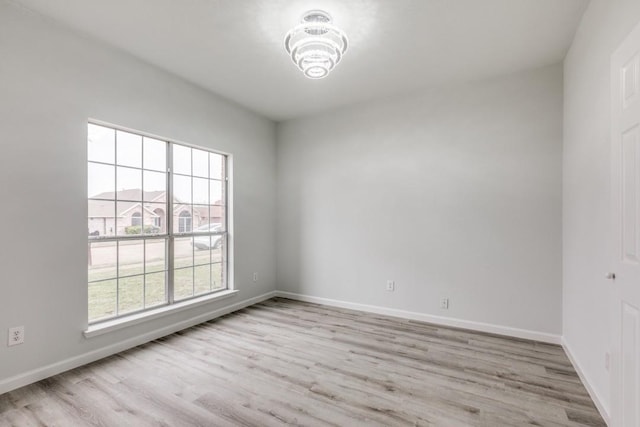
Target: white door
625 373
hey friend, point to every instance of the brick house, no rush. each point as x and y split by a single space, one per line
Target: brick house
110 213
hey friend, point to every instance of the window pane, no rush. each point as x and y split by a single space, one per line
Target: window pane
200 163
217 276
183 252
103 257
217 249
215 192
181 159
183 283
204 244
129 149
201 219
130 294
101 181
216 162
200 191
154 289
155 154
202 252
101 144
101 218
130 257
129 184
155 221
155 185
102 299
182 189
217 216
202 279
155 255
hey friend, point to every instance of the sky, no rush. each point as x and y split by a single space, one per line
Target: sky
131 161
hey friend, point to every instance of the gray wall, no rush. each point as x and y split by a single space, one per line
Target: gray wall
451 193
586 200
51 82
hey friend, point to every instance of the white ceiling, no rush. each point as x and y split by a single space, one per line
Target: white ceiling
235 47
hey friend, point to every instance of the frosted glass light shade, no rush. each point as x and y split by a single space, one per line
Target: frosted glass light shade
316 46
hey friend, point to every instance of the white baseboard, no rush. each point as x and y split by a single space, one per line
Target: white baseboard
429 318
38 374
597 400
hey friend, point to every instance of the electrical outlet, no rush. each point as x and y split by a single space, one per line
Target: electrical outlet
255 277
391 286
444 303
607 360
16 336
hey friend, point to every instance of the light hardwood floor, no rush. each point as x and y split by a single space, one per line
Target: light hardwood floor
285 362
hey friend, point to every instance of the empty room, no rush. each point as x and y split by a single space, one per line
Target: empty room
320 213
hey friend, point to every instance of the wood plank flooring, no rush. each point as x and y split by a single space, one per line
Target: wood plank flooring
284 362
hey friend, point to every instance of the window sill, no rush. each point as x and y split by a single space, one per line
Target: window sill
124 322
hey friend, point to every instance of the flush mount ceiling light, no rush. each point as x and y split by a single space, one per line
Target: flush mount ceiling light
316 45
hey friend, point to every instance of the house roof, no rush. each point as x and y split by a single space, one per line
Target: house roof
101 209
105 208
132 194
203 211
147 209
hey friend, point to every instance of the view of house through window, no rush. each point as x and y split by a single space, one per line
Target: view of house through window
156 222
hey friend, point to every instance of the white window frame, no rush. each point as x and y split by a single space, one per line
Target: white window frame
103 325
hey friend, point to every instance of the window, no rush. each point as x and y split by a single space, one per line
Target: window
184 222
136 219
157 219
157 222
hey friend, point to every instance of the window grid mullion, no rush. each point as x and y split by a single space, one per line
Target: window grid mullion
209 219
115 221
144 243
193 247
170 276
225 202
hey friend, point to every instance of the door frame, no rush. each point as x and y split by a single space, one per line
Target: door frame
616 92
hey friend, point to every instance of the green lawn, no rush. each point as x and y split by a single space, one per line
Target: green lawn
136 292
